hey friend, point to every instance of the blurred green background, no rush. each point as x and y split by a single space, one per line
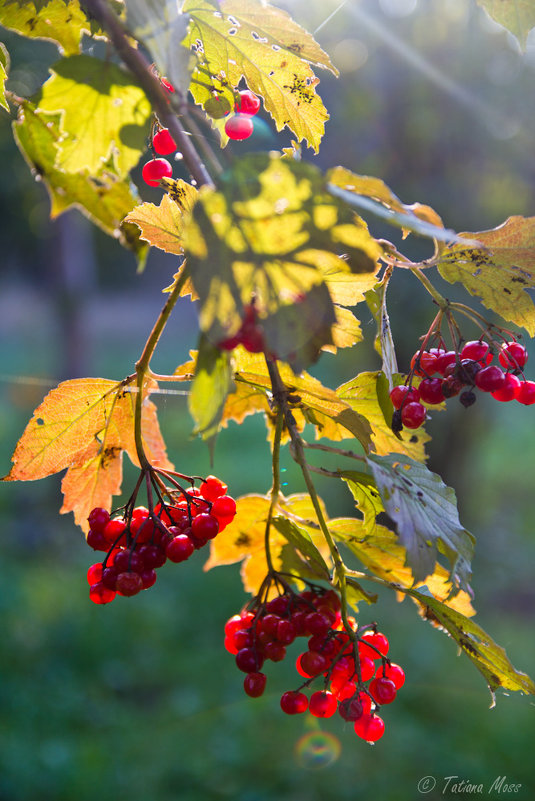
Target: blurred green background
138 700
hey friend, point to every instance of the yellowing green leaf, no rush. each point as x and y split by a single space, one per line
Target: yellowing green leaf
301 541
361 394
346 331
518 16
162 226
500 271
212 384
103 114
384 342
60 21
4 68
103 197
253 40
84 425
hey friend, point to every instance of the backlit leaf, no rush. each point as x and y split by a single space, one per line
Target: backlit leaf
384 342
253 40
4 68
302 542
425 512
104 197
211 386
361 394
500 271
518 16
103 114
84 425
60 21
162 226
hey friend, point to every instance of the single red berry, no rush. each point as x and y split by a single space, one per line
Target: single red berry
444 361
370 727
383 690
224 506
431 390
393 672
97 541
353 708
286 632
163 143
513 356
239 127
275 651
148 577
129 583
249 660
322 704
402 394
526 393
235 623
113 531
277 606
179 548
490 379
152 556
141 526
205 526
109 578
478 351
100 594
316 623
97 519
153 171
367 667
94 573
509 389
311 663
424 363
344 691
128 561
212 488
413 415
248 103
378 642
294 703
254 684
244 638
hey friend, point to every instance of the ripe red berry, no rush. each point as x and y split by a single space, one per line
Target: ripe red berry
286 632
212 488
239 127
424 363
100 594
379 643
205 527
431 390
383 690
402 395
322 704
109 578
248 103
129 583
478 351
153 171
97 519
350 708
413 415
275 651
179 548
113 531
509 389
294 703
128 561
311 663
393 672
163 143
94 573
526 393
444 361
370 727
490 379
249 660
148 578
254 684
97 541
513 356
224 506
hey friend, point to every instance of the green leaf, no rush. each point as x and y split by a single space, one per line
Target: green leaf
425 512
384 343
60 21
488 657
211 386
103 114
302 542
356 593
103 197
499 269
272 233
518 16
253 40
4 69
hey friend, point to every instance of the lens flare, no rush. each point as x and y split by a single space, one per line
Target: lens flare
317 750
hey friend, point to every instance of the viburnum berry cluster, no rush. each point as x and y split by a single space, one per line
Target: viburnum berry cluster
141 540
350 662
446 373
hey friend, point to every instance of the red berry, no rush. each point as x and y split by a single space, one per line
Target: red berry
413 415
212 488
148 578
254 684
344 691
379 643
451 385
526 393
294 703
513 356
97 519
424 363
249 660
431 390
97 541
248 103
141 527
224 506
393 672
350 708
286 632
163 143
322 704
402 395
383 690
311 663
153 171
316 623
109 578
179 548
94 573
490 379
367 667
99 594
129 583
113 531
205 527
444 361
509 389
152 556
370 727
239 127
275 651
128 561
478 351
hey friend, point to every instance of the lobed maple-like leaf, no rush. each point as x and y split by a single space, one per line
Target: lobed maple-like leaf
103 114
60 21
84 425
518 16
162 226
253 40
500 270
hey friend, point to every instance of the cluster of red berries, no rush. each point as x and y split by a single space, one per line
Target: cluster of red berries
250 334
140 542
461 372
153 171
357 676
240 125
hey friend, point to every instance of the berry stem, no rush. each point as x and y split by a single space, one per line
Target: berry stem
275 489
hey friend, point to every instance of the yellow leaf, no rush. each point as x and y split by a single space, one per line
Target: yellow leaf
84 425
500 271
162 226
361 395
518 16
346 331
60 21
253 40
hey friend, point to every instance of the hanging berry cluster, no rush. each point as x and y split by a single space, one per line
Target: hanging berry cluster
240 125
140 541
352 664
446 373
